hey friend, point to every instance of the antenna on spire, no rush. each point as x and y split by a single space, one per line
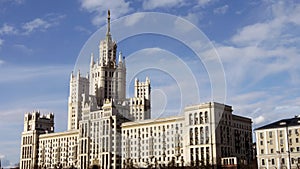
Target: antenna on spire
108 23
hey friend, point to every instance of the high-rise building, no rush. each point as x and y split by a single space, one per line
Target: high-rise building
108 130
278 144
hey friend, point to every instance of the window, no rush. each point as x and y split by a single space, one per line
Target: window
270 134
297 140
262 151
282 161
261 143
272 150
263 162
261 135
273 161
271 142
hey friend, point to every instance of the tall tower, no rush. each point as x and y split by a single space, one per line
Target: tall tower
107 78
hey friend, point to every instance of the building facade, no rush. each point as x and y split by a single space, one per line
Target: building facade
58 150
108 130
203 135
278 144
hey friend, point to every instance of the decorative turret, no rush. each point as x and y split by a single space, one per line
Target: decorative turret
92 60
71 76
78 74
120 57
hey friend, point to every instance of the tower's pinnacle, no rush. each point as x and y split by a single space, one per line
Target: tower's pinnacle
108 23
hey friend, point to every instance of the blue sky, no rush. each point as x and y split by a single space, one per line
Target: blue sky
257 42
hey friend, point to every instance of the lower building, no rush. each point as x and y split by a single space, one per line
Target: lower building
58 150
278 144
203 135
153 143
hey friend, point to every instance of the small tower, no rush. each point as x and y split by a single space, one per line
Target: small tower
121 79
140 104
92 63
78 86
35 124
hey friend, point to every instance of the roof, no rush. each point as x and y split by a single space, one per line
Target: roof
282 123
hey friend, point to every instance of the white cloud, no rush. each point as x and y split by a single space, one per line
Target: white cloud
42 24
261 65
7 29
100 7
153 4
194 17
258 120
271 29
37 23
133 19
203 3
12 72
22 48
263 49
12 1
221 10
254 34
83 29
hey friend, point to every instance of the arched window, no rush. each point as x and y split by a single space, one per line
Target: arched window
191 136
195 119
206 117
196 136
190 119
201 118
207 135
201 135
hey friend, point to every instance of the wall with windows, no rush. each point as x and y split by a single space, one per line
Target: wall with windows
157 142
278 146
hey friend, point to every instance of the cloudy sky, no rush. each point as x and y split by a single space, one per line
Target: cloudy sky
257 42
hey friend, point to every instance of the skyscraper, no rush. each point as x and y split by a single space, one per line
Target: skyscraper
108 130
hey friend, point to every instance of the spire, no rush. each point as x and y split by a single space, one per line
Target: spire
72 76
108 23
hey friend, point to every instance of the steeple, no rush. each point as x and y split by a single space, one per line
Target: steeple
108 23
